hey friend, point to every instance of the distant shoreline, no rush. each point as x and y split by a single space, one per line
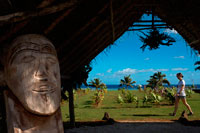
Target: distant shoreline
135 87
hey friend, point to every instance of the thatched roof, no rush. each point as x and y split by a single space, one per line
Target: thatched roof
81 29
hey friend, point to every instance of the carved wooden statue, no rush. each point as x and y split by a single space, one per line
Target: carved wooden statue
32 74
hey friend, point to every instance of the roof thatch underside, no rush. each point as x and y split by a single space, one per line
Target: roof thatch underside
81 29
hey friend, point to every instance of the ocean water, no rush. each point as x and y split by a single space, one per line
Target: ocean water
116 87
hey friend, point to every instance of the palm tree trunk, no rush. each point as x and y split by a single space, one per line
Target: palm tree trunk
71 107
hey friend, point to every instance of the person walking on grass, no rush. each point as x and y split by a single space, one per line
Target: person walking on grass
181 95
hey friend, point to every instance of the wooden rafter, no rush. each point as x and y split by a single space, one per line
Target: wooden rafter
20 16
45 3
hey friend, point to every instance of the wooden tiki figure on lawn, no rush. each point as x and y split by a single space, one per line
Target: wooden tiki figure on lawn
32 74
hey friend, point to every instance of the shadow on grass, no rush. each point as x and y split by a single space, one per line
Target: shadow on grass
143 115
88 106
89 102
147 106
110 107
166 104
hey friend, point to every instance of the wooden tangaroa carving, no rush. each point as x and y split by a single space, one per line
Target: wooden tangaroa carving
32 75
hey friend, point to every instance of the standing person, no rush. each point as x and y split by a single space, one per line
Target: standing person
181 95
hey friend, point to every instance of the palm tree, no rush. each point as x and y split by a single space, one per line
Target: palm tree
157 80
197 63
127 81
154 39
97 83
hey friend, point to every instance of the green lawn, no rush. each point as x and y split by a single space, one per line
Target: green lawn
85 111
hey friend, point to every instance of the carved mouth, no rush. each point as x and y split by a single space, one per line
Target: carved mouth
44 89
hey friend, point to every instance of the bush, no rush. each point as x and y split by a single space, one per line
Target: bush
155 98
98 97
170 94
189 92
127 97
146 99
120 99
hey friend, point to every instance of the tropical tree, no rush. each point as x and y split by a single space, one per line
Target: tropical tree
157 80
127 81
97 83
197 63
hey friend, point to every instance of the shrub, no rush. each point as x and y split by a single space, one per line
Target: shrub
170 94
120 99
127 97
130 98
189 92
155 98
145 99
98 97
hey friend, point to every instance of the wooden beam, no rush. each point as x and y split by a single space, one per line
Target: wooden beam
45 3
143 25
148 21
20 16
148 28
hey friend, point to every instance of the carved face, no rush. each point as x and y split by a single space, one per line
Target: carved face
33 74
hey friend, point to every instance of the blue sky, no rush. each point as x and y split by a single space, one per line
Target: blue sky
125 57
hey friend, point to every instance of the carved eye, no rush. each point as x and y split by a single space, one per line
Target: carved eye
51 60
28 59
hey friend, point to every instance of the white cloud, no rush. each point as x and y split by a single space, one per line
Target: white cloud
100 74
179 69
162 70
109 70
169 31
146 70
128 71
172 75
147 59
179 57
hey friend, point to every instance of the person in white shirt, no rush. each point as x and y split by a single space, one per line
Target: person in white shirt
181 95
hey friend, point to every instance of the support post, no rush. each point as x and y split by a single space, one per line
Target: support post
71 107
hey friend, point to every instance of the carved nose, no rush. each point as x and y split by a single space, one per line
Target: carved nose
41 73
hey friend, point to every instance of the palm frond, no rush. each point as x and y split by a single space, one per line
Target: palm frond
197 63
197 68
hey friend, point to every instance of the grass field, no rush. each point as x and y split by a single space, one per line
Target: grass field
86 111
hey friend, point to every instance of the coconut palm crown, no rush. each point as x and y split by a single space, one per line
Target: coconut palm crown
97 83
157 80
127 81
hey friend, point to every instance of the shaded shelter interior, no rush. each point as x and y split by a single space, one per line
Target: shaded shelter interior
81 29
